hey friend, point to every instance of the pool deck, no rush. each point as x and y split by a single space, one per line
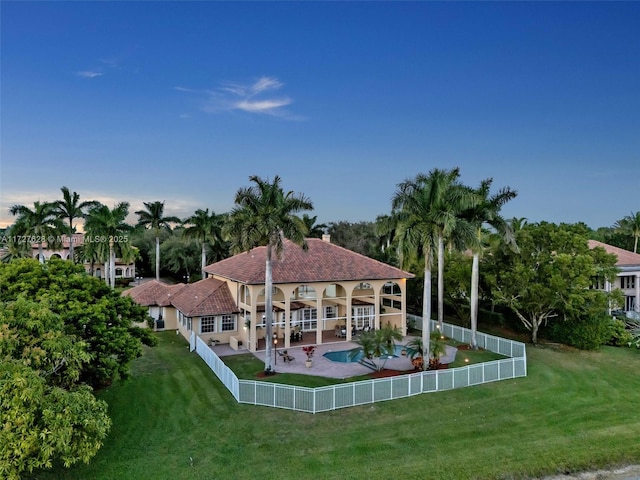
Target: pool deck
322 366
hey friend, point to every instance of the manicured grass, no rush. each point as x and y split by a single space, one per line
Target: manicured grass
247 366
575 411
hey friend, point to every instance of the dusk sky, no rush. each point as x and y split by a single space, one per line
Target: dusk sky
183 101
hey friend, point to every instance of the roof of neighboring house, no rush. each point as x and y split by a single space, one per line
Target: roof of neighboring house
205 297
625 257
153 293
322 262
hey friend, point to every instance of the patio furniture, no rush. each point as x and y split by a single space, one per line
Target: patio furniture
285 356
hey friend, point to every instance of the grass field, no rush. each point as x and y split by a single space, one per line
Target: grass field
575 411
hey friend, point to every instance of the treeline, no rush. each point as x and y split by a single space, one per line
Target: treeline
437 227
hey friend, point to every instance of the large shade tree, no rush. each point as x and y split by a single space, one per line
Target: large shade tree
38 225
70 208
107 231
206 229
486 213
153 218
551 277
265 215
62 332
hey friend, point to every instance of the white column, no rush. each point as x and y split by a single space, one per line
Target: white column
319 322
376 309
607 288
348 314
287 321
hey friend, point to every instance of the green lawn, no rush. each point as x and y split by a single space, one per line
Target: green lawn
575 411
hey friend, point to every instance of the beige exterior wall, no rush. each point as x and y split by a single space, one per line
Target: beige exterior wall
195 326
344 297
170 317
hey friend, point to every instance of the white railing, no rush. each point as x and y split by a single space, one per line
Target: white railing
322 399
224 373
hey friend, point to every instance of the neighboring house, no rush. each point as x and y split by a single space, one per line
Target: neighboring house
628 279
122 269
322 294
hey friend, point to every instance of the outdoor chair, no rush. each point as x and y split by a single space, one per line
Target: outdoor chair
285 356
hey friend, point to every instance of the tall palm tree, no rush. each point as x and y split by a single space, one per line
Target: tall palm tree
316 230
40 224
485 212
427 210
14 250
630 225
153 218
205 228
103 225
70 208
265 215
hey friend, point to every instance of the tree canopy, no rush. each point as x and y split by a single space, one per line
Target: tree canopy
62 332
552 275
89 311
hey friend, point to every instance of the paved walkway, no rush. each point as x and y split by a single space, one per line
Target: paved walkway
322 366
630 472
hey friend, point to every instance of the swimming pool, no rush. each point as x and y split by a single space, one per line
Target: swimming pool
344 356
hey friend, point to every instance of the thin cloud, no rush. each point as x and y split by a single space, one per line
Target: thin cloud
89 74
99 70
257 97
269 107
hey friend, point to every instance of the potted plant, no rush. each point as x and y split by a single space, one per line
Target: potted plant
308 351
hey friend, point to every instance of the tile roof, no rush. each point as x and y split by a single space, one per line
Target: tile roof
322 262
625 257
205 297
153 293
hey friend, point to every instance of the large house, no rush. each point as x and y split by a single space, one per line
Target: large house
323 294
628 279
123 269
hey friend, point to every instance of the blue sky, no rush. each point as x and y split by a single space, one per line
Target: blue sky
183 101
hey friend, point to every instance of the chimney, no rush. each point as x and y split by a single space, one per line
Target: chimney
326 237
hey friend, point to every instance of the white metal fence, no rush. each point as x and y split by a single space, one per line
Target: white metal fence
322 399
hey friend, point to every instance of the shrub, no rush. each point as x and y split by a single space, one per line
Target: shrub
634 332
620 336
588 333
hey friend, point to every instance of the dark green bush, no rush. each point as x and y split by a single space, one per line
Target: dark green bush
588 333
620 335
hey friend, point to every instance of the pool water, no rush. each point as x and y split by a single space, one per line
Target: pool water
344 356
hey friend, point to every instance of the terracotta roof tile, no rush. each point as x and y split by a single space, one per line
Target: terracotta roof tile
322 262
205 297
153 293
625 257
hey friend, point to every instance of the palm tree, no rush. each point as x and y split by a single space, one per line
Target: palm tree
389 335
206 228
316 230
486 212
103 225
376 347
264 215
427 210
630 225
153 218
40 224
14 250
69 209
